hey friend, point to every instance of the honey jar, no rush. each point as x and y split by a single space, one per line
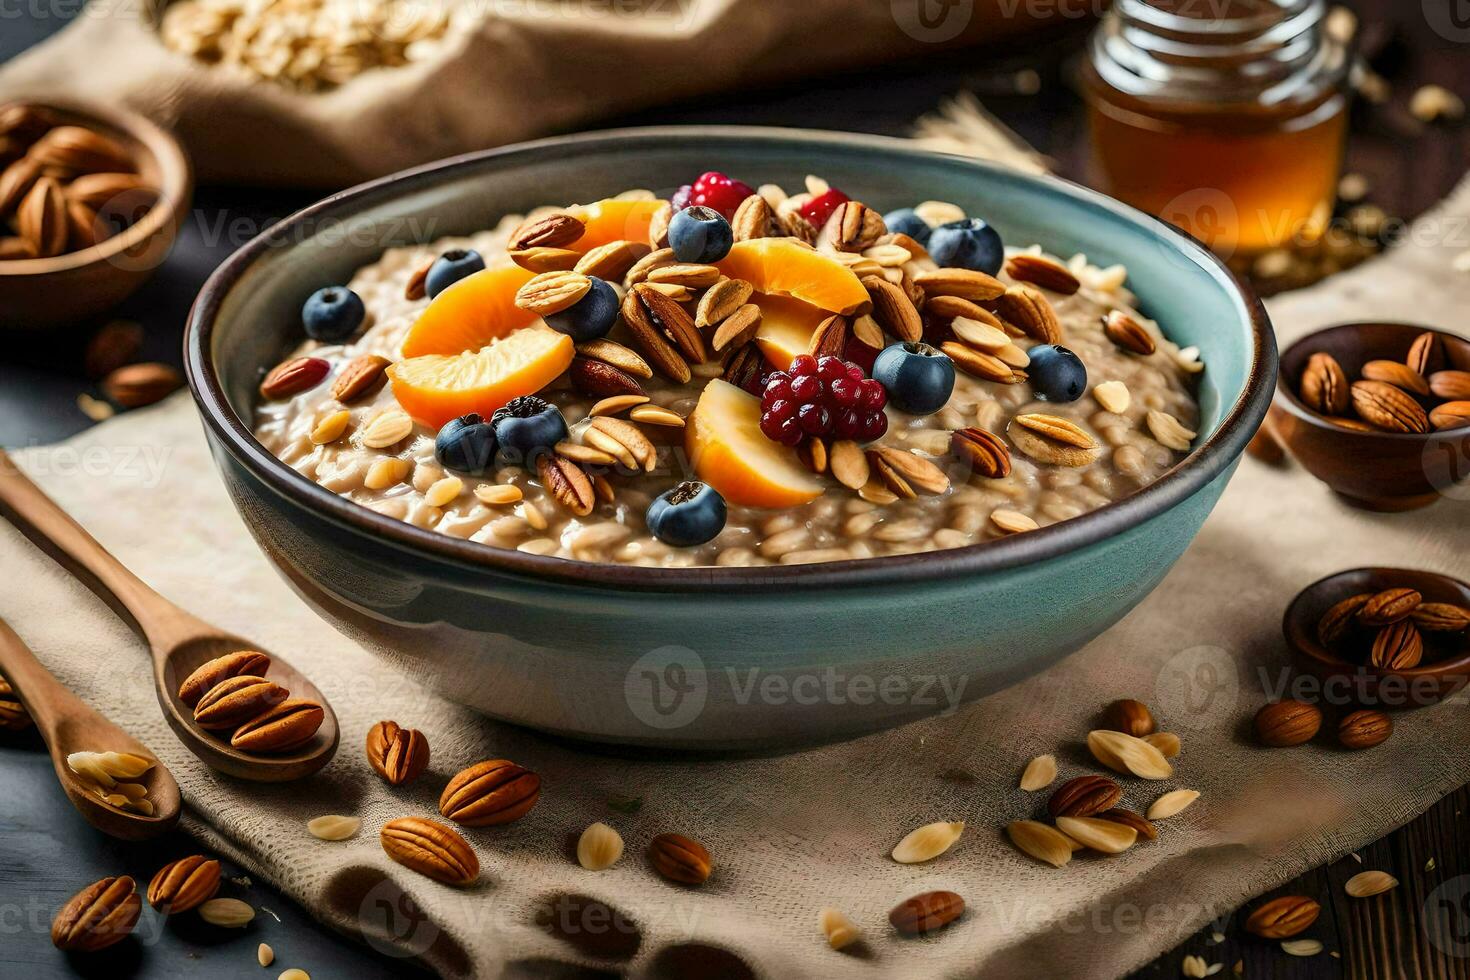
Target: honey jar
1224 117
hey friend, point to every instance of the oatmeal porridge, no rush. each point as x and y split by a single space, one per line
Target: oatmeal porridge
735 376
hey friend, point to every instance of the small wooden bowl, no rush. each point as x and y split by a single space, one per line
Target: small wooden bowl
1446 665
1385 471
38 294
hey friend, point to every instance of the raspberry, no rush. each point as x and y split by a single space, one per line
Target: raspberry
820 208
822 397
715 190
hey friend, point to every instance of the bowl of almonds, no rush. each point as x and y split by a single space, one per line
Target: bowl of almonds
1380 412
91 198
1389 637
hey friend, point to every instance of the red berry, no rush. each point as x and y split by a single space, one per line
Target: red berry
822 397
802 364
806 388
820 208
874 397
682 197
830 368
855 372
814 419
849 424
874 426
716 190
846 392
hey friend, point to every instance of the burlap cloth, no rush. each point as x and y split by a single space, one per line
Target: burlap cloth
511 70
795 833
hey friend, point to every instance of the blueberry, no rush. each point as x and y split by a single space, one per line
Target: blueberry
690 514
968 244
450 268
466 444
590 317
526 428
1057 374
905 221
917 377
333 314
700 234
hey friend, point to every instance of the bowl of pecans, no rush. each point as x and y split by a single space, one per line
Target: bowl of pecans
1387 637
1380 412
91 198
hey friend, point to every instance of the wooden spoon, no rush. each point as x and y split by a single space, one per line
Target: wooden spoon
180 642
69 725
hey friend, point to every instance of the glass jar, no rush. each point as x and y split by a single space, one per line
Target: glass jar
1224 117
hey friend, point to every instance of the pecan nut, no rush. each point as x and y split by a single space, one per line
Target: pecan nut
1145 828
41 218
566 482
1397 647
983 451
830 337
893 310
1324 385
211 673
235 700
1084 796
623 358
289 725
664 314
137 385
1425 354
926 912
1337 621
648 332
184 884
1441 617
78 150
430 848
1389 606
1364 729
1385 407
552 231
599 379
361 377
488 793
1031 312
400 755
1450 415
1285 723
680 859
1128 333
1283 917
1396 374
745 366
98 916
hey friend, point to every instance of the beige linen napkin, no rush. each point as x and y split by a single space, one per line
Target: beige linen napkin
510 70
791 834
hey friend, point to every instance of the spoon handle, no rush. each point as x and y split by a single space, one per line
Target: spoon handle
54 531
47 700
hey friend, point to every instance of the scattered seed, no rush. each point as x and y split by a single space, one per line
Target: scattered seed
1366 884
1040 841
1040 773
1124 753
1301 947
599 847
1105 836
227 913
927 842
838 928
264 955
1172 803
498 495
333 827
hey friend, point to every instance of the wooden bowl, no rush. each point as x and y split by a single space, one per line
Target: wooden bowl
1446 665
1385 471
38 294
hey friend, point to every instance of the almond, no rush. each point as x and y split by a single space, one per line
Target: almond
1450 415
620 357
362 376
13 248
552 292
98 191
1128 333
82 151
496 791
738 328
137 385
1396 374
680 859
1031 312
236 700
720 301
839 930
213 672
1037 840
1104 836
611 261
1145 830
623 440
927 842
963 283
1169 432
552 231
985 366
692 275
1166 742
1425 354
905 473
926 912
289 725
546 259
98 916
16 182
1172 803
333 827
293 376
1040 773
227 913
745 366
1126 754
184 884
893 310
854 226
1450 385
431 849
1366 884
980 335
848 464
755 219
1053 439
829 339
1044 272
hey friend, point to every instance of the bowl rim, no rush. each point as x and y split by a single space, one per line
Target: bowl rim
176 176
1206 462
1291 402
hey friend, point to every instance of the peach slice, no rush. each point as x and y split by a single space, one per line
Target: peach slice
470 314
785 266
786 328
729 452
435 388
613 220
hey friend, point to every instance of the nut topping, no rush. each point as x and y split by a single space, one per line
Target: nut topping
361 377
1027 309
489 793
722 300
567 482
552 292
680 859
983 451
599 379
963 283
552 231
293 377
1044 272
755 219
905 473
648 330
854 227
893 310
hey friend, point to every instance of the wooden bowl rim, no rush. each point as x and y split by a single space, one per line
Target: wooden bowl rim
173 166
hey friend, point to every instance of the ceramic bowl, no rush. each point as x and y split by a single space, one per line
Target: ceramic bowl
1446 666
716 658
1385 471
37 294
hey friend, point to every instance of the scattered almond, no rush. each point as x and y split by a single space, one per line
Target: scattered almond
927 842
1106 836
227 913
1127 754
599 847
1040 773
1366 884
838 928
1171 804
1040 841
333 828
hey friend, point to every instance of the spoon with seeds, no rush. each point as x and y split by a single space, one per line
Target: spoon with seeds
180 642
106 785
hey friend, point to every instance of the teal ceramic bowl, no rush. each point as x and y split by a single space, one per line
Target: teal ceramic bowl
716 658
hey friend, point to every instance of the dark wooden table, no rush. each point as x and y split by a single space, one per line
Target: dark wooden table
46 853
